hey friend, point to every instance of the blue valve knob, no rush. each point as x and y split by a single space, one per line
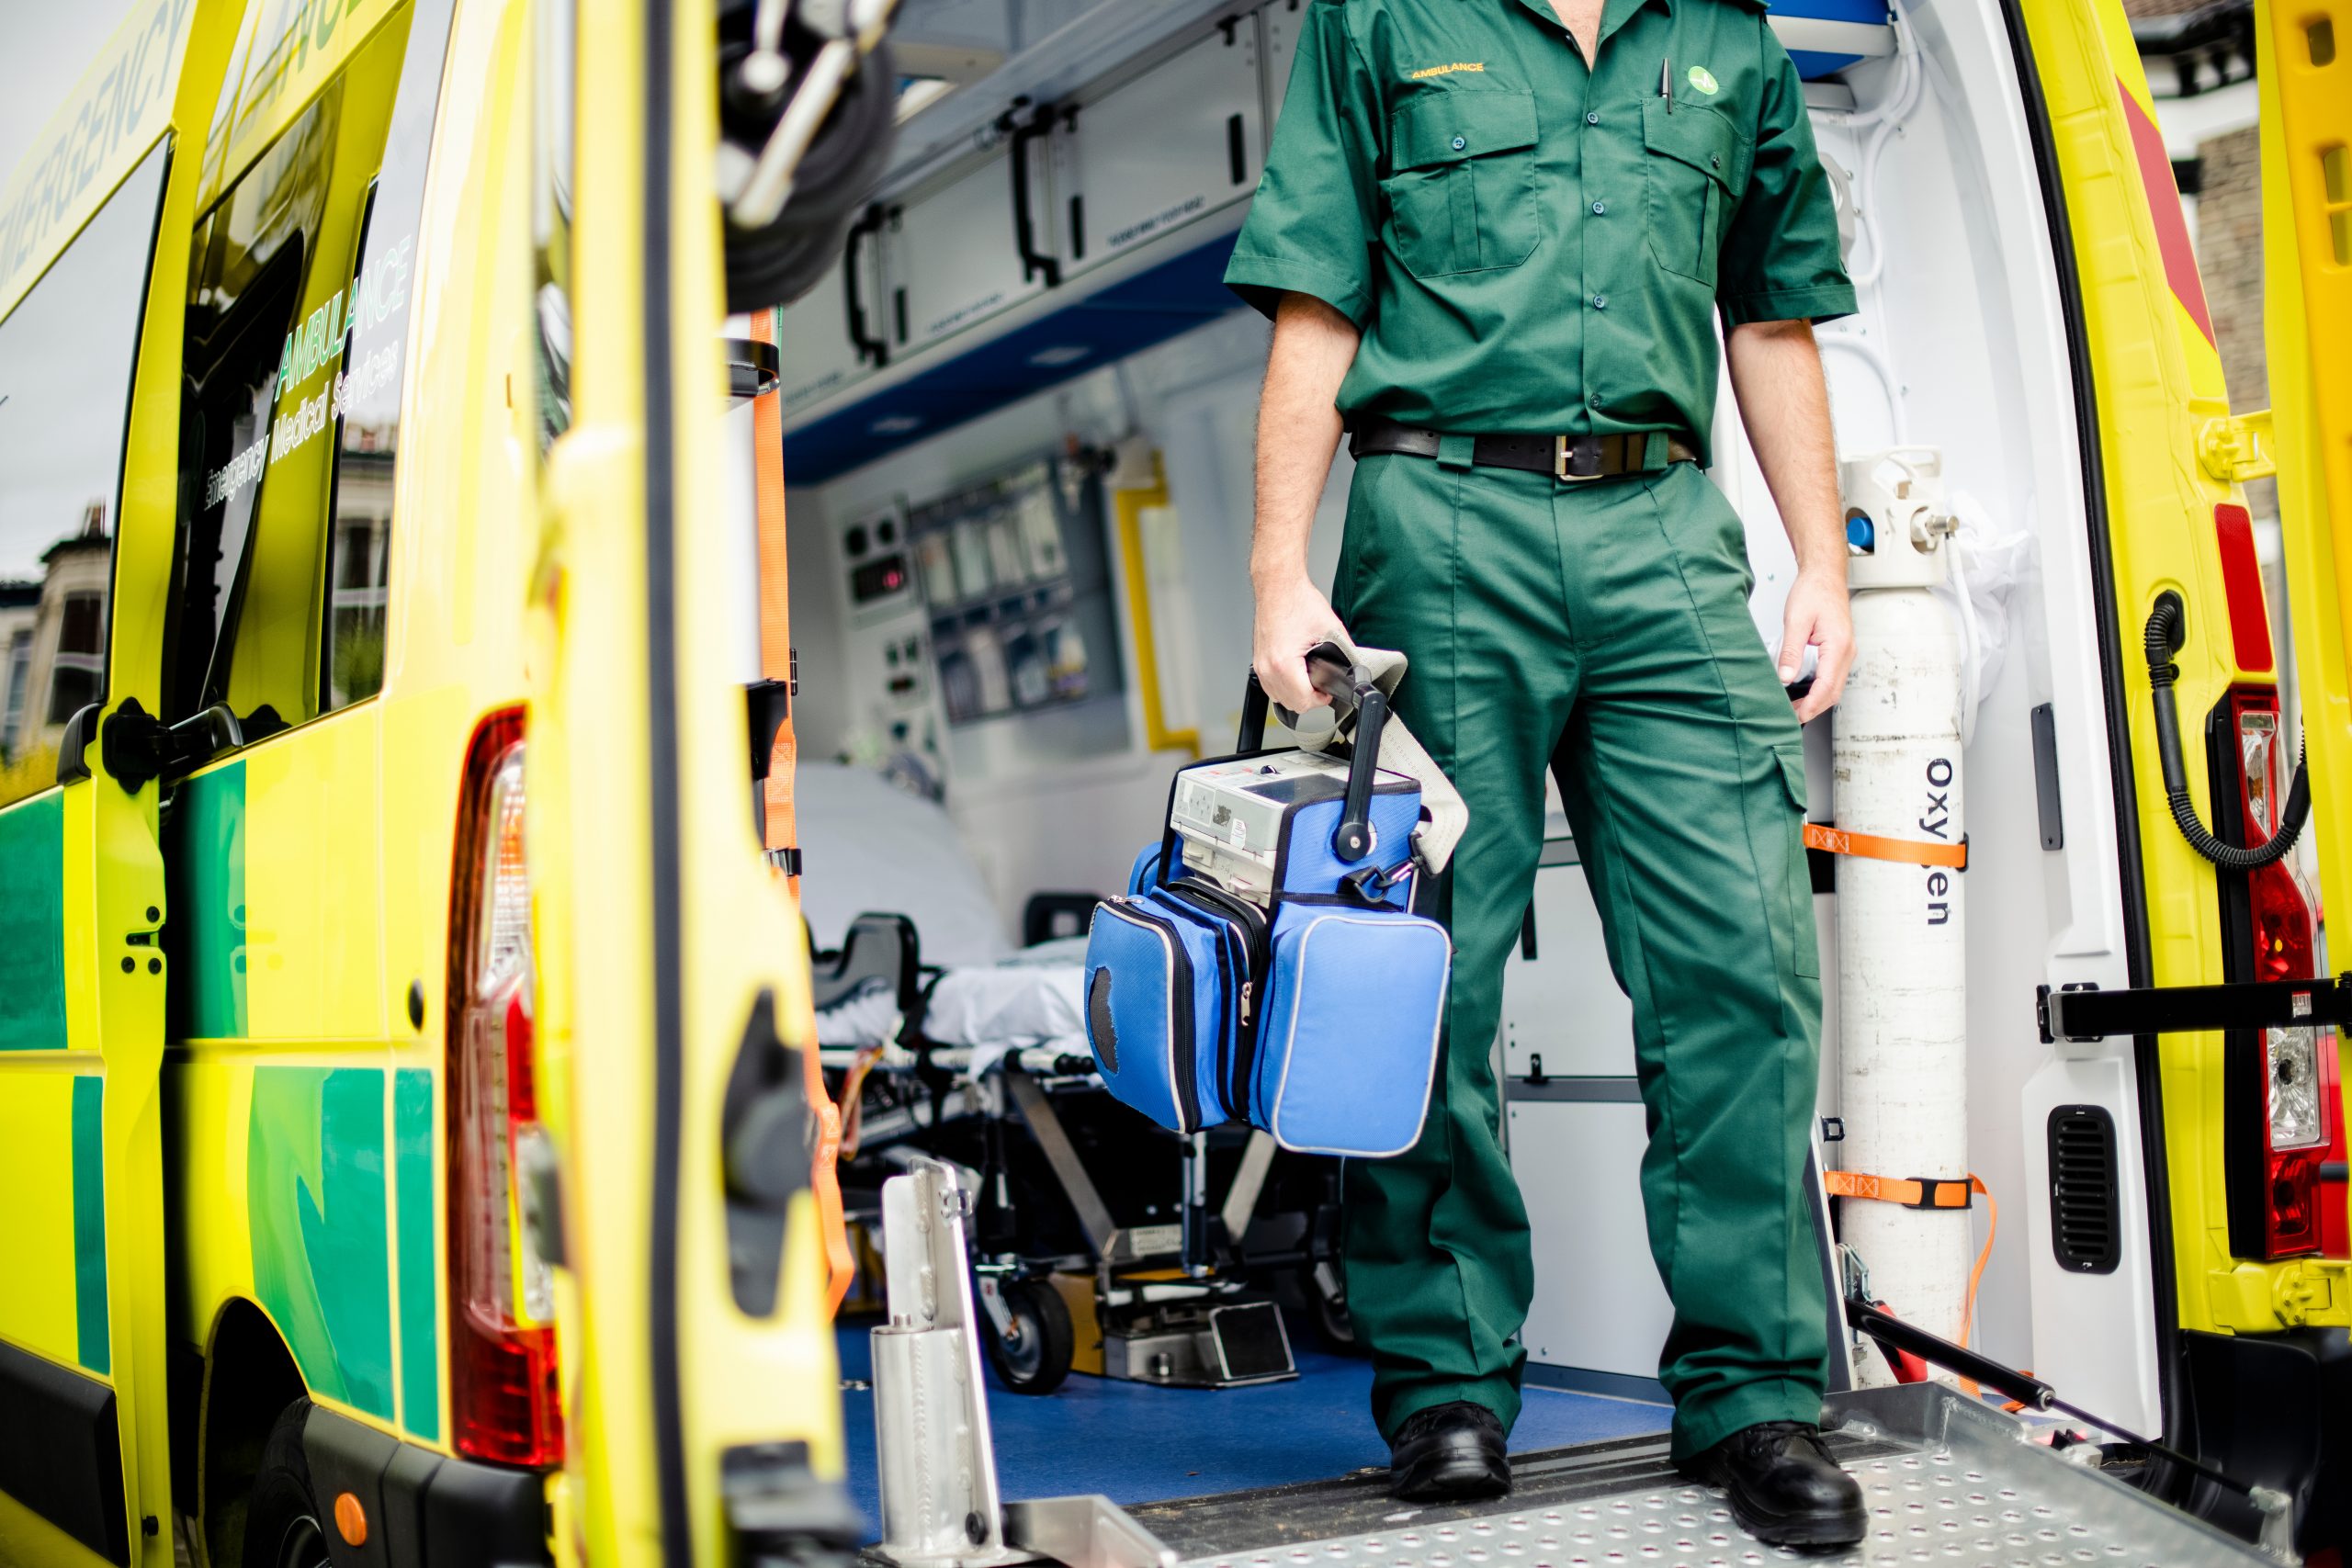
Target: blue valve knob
1862 534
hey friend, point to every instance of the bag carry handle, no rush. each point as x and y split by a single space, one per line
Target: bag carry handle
1350 689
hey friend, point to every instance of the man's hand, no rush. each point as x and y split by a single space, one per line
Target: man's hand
1293 616
1776 375
1298 429
1818 614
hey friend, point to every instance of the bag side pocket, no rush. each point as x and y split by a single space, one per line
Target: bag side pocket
1143 1011
1350 1031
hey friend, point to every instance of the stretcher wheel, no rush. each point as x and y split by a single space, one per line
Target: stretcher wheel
1035 1356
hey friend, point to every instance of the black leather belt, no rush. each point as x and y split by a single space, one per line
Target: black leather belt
1566 458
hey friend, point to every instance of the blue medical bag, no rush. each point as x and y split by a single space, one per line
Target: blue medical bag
1293 990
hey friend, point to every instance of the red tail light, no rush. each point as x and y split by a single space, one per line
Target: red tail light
2282 1097
502 1335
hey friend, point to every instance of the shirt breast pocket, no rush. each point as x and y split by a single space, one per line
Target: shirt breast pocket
1692 154
1462 197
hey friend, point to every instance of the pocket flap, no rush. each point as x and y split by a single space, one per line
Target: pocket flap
1459 122
1791 760
1691 134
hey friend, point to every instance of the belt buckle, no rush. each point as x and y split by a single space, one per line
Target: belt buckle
1576 461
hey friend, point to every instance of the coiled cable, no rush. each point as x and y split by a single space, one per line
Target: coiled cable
2162 639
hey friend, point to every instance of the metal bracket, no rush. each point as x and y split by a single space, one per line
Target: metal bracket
1062 1157
1241 1198
2085 1012
1084 1532
2235 448
939 1503
940 1506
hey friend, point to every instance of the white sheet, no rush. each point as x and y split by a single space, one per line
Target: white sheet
870 847
1003 1008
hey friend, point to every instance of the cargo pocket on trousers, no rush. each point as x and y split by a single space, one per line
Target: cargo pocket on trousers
1804 944
1462 196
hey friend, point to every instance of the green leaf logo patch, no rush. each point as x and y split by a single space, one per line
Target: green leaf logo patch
1702 79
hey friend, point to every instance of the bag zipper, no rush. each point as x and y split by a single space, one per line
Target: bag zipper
1257 959
1184 1048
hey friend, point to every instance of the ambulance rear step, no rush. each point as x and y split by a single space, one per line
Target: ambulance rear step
1946 1480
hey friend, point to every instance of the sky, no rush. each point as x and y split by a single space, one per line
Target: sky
47 46
60 406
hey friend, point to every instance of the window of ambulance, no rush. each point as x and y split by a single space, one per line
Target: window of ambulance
301 283
67 355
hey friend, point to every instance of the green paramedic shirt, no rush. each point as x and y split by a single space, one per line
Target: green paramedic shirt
1530 246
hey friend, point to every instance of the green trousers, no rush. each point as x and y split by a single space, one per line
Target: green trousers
1600 630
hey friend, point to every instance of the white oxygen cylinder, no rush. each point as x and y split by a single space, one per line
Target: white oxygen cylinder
1902 947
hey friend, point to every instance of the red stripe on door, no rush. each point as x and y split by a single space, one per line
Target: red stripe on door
2241 581
2164 204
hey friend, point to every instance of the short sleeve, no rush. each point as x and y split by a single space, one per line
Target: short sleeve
1779 260
1316 212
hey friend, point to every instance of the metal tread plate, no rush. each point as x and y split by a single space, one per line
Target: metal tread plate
1947 1482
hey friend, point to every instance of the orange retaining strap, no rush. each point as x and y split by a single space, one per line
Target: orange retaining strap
1871 846
775 664
1928 1192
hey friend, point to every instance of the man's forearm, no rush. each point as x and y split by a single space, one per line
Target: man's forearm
1776 375
1298 430
1784 404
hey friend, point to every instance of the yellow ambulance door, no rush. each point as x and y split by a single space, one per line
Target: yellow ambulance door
91 283
696 1339
298 323
2306 80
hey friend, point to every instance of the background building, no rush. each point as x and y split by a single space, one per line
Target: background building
53 641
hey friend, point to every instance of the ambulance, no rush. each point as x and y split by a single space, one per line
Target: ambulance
551 553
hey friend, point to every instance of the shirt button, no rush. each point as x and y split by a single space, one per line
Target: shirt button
1592 116
1460 142
1599 207
1594 400
1600 301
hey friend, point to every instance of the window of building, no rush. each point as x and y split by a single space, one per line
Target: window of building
15 678
77 672
68 352
298 327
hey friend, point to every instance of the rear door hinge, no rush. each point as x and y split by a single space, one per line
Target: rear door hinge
2085 1012
2235 448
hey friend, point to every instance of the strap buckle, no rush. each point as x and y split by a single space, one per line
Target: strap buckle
1371 884
1575 462
1931 1194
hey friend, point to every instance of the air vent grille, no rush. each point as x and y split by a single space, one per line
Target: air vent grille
2085 1223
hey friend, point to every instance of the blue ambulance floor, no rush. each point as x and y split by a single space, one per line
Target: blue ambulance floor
1138 1444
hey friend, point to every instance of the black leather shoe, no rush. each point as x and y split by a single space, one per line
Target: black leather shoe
1449 1453
1785 1489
